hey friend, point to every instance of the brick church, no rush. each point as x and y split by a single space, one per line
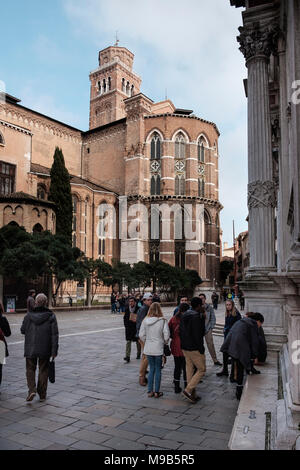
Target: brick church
150 153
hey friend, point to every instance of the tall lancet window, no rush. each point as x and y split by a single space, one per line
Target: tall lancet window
155 164
180 167
202 145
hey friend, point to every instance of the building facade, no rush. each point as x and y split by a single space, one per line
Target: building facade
136 153
270 42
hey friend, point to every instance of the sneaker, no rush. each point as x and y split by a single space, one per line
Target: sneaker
31 396
189 397
196 397
218 363
127 359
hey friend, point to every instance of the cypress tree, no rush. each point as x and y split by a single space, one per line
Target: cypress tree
60 193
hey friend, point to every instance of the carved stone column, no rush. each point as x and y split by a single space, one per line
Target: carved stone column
257 43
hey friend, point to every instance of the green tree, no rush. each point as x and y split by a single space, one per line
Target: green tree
98 273
226 267
122 274
141 272
60 194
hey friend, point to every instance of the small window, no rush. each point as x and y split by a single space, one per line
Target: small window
41 192
109 83
1 139
7 178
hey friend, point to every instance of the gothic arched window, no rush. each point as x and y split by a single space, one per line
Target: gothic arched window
41 192
128 89
123 85
104 85
1 139
155 147
201 187
180 146
202 145
132 90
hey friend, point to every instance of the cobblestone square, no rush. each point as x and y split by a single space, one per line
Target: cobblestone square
97 403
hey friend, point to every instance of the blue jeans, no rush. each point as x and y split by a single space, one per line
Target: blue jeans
154 372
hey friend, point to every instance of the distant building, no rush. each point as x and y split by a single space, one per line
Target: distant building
152 153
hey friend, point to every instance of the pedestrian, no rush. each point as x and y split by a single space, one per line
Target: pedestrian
232 315
182 300
70 300
4 332
154 333
130 328
41 343
215 300
113 302
242 345
179 360
262 344
30 300
210 322
242 300
192 332
122 302
156 297
142 312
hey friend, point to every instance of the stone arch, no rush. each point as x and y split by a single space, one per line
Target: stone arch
151 133
203 136
37 228
185 134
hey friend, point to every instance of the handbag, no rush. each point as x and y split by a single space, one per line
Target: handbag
132 317
51 371
167 350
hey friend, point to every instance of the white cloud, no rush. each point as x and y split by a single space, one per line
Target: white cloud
190 48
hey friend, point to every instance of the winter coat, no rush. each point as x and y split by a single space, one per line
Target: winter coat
174 326
210 319
242 341
41 333
30 303
230 320
4 326
154 333
192 330
262 347
130 326
142 312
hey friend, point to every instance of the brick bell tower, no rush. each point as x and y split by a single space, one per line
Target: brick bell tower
111 83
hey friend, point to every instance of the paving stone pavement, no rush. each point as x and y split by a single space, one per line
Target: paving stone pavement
96 402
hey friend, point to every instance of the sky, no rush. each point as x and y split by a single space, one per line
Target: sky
186 51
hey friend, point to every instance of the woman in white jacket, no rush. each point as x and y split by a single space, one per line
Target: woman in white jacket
154 333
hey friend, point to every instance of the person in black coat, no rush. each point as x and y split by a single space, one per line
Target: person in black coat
4 331
130 316
41 343
242 344
232 315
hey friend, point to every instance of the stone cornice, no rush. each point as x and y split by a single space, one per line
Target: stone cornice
17 128
170 198
149 116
